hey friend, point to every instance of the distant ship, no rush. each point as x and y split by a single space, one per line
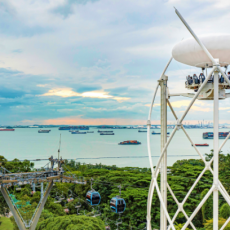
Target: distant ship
106 133
6 129
43 131
154 133
77 132
142 131
99 131
129 143
74 127
209 135
200 145
90 131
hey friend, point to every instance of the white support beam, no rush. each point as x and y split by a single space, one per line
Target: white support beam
154 173
180 208
163 98
225 224
162 202
17 218
198 208
183 116
195 37
39 211
216 151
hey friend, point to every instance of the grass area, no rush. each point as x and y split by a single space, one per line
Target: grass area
6 224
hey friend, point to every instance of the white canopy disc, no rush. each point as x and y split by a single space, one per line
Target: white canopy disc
190 53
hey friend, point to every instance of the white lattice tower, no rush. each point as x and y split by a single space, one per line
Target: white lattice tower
161 166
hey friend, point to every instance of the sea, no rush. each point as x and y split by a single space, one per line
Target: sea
92 148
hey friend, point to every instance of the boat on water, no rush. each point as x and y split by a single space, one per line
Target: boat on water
202 145
90 131
209 135
100 131
77 132
107 133
142 131
7 129
129 143
73 130
154 133
74 127
43 131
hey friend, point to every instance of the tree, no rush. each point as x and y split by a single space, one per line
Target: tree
71 222
209 224
207 208
225 211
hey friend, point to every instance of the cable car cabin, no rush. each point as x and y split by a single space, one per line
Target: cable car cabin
70 199
117 205
93 198
66 210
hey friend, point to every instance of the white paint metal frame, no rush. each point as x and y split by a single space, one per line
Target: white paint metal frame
217 185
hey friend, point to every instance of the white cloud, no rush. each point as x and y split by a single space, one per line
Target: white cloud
68 92
197 106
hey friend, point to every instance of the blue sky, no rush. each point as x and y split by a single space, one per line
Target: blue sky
97 61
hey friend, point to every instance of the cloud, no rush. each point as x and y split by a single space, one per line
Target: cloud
224 108
17 51
77 120
68 92
67 8
10 93
42 85
197 106
103 52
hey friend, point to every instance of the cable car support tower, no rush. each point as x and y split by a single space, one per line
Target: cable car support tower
206 89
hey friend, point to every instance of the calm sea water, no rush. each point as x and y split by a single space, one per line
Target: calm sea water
29 144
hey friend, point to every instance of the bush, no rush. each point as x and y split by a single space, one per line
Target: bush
71 222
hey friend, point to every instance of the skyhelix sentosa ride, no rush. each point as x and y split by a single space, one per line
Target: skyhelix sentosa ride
211 52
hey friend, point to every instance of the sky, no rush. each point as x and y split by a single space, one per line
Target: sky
91 62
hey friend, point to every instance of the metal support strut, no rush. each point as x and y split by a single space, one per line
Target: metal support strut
216 150
39 211
163 85
17 218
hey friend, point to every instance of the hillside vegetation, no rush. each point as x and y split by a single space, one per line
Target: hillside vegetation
134 183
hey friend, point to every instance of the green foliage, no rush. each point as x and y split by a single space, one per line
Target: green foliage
209 224
5 223
207 208
17 165
179 226
71 222
135 184
45 215
225 211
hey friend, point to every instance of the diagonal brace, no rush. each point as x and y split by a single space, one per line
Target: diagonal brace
39 211
17 218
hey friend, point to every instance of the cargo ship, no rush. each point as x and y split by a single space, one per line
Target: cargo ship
77 132
200 145
74 127
43 131
106 133
7 129
142 131
154 133
209 135
99 131
129 143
